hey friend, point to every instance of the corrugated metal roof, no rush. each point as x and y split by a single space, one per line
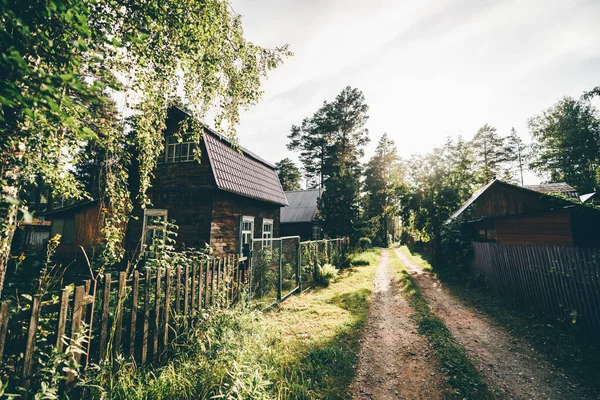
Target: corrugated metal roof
558 187
242 172
302 206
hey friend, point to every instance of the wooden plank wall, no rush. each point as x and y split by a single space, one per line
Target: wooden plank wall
561 282
138 315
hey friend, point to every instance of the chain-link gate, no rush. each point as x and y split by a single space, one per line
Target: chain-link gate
274 268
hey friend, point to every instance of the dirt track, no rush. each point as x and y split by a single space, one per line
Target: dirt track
512 369
395 361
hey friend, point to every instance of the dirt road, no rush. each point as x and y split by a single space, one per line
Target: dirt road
511 368
395 361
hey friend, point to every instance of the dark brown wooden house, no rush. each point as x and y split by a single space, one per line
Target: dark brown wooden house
508 214
233 195
299 218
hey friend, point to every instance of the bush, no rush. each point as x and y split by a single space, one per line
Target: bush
326 273
364 243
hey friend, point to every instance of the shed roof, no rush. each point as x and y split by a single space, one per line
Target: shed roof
242 172
303 206
557 187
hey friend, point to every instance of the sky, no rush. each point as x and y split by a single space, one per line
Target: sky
428 69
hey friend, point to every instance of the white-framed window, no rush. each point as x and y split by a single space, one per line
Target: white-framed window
316 232
179 152
153 228
246 232
267 231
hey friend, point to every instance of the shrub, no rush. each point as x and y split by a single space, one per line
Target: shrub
326 273
364 243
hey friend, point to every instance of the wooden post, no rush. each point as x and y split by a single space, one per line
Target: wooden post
206 288
104 320
119 313
155 333
30 346
193 302
4 315
134 311
62 319
200 284
78 306
146 328
178 299
279 275
166 312
186 289
218 279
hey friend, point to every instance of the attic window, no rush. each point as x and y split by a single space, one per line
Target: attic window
179 152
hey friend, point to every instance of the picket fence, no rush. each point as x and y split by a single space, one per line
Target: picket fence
137 316
562 282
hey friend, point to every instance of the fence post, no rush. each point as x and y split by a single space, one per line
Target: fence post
62 320
30 347
104 320
134 311
4 314
78 306
146 328
299 268
279 277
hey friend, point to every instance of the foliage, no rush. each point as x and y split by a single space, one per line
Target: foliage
333 138
327 272
339 206
65 60
517 155
289 174
383 187
490 154
366 257
364 243
452 357
567 143
456 246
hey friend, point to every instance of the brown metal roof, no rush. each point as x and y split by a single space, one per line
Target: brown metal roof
242 172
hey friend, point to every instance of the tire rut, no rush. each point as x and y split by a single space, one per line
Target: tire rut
511 368
395 361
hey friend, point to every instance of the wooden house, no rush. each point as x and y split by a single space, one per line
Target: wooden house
507 214
299 218
230 197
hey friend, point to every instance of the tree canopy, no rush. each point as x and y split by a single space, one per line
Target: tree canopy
289 174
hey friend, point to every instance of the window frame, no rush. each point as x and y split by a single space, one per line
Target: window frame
178 144
316 232
152 212
267 234
246 219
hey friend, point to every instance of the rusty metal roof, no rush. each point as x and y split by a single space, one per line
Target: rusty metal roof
242 172
303 206
558 187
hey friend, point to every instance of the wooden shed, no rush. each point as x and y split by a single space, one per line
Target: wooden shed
508 214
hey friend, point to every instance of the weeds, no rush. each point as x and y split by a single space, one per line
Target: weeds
453 360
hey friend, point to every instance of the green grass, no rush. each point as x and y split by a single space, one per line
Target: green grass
453 361
367 257
304 349
560 342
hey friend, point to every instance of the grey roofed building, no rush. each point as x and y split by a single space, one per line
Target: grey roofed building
299 217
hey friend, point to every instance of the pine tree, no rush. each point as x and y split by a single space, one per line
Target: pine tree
490 154
516 153
289 174
339 206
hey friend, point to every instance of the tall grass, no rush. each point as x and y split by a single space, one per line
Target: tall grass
366 257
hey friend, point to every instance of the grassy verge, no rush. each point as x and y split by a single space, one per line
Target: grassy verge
304 349
559 342
453 360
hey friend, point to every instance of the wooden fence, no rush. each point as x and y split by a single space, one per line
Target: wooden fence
562 282
137 316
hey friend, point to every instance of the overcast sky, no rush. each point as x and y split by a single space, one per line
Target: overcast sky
428 69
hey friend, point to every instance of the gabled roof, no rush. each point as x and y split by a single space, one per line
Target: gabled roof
238 170
496 182
73 208
242 172
303 206
558 187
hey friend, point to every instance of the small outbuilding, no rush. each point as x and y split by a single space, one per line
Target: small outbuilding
508 214
299 218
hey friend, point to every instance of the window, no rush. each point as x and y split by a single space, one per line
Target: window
246 232
267 231
179 152
153 229
65 228
316 232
